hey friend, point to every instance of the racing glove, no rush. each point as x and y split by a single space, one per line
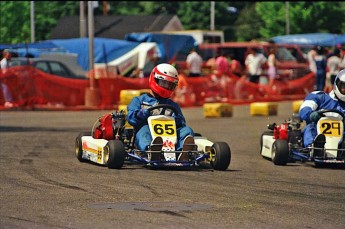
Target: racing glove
314 116
143 114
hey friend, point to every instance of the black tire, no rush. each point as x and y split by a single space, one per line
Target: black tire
220 156
280 152
269 133
78 146
115 153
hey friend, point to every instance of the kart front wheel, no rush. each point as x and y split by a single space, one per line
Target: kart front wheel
220 156
280 152
79 146
114 154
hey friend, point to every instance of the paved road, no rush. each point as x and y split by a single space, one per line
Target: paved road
43 185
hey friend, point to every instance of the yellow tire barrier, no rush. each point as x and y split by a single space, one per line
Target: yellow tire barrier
263 109
127 95
296 105
216 110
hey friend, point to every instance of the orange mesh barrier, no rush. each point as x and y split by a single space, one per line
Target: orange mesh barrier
30 86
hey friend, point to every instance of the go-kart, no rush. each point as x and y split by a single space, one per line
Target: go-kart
284 143
111 143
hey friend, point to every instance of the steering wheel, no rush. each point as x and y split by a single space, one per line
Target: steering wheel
322 113
164 107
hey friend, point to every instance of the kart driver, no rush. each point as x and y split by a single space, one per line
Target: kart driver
319 100
162 81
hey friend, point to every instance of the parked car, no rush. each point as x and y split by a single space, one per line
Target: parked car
291 65
52 67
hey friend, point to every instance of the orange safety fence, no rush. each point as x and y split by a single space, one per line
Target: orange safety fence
30 86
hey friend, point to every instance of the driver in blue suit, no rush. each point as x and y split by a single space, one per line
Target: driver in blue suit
162 81
319 100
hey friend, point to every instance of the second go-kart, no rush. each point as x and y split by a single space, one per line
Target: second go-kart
111 143
284 143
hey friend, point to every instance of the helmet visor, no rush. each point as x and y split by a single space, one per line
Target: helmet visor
341 87
166 84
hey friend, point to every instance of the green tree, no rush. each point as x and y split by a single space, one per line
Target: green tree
255 20
15 19
304 17
248 24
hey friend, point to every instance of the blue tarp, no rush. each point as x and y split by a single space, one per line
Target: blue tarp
322 39
168 44
105 50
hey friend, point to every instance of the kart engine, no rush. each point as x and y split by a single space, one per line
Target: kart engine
110 126
289 130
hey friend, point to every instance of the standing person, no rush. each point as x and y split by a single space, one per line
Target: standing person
321 66
236 66
319 100
194 63
162 81
272 66
254 62
333 64
4 63
222 64
311 55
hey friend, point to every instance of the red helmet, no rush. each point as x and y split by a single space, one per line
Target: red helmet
163 80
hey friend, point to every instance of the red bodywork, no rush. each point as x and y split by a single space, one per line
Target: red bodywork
105 128
281 131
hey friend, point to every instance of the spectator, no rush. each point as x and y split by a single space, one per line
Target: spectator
254 63
236 66
4 63
333 64
222 64
194 63
311 55
211 64
272 66
321 65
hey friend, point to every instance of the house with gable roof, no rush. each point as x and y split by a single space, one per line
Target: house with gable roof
116 27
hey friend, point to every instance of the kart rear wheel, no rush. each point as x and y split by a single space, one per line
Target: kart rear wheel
79 146
114 154
280 152
220 156
265 133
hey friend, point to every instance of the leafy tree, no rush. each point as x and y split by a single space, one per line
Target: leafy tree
304 17
254 20
15 19
248 24
14 29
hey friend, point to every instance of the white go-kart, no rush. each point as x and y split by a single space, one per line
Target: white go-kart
284 143
111 143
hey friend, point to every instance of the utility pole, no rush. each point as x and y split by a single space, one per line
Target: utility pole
32 21
82 23
105 8
92 94
212 16
287 18
91 45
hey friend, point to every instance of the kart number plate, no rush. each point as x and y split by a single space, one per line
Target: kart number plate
331 128
164 128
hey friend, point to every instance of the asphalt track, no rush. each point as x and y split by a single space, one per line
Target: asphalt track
43 185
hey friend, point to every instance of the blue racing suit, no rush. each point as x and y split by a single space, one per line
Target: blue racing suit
143 136
315 101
